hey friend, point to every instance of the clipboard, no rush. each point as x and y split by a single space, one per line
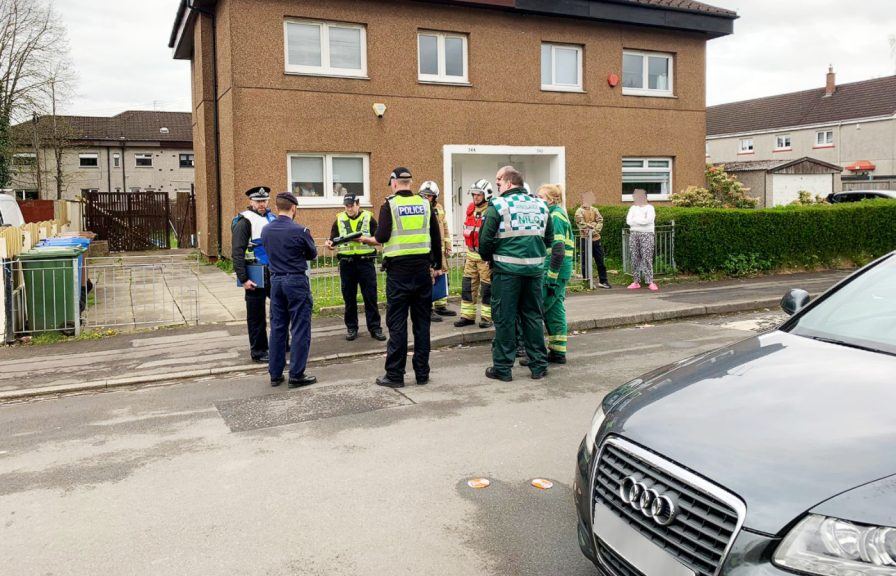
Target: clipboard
347 238
256 274
440 288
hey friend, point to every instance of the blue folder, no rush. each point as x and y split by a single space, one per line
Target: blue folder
440 288
256 274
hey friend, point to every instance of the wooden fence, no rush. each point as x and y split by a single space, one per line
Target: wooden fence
129 221
17 239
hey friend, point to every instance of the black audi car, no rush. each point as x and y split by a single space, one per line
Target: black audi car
772 456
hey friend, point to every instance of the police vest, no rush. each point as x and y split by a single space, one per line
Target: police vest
522 223
472 226
258 222
347 226
410 227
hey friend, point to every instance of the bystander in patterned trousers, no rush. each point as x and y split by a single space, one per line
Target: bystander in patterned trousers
642 246
476 288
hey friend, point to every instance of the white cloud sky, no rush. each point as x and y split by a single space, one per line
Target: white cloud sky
120 52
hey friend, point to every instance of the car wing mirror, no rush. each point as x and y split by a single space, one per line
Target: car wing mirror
795 300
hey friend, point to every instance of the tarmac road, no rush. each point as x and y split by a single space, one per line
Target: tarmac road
229 476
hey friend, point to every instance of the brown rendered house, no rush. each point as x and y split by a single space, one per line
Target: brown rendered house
324 97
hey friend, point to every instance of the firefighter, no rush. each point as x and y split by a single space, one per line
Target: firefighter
430 191
246 251
477 281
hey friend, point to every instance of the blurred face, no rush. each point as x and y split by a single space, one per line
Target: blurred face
260 206
353 209
544 196
478 198
588 199
640 197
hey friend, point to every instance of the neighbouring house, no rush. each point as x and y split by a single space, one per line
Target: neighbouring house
130 152
327 97
851 125
779 182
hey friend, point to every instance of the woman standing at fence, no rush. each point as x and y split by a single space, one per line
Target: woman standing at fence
642 241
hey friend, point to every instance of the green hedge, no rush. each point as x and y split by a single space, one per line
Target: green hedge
709 239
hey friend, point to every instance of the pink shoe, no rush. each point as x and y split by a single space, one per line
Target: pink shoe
634 286
653 287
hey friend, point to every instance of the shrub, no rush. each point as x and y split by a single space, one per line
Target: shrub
722 191
745 264
696 197
806 199
706 238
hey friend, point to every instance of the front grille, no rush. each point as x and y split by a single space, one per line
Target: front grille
698 536
615 563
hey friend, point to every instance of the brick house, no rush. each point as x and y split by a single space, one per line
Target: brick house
132 151
323 97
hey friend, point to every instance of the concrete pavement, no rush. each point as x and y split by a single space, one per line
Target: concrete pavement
222 348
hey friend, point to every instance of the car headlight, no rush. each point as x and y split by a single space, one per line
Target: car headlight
596 421
832 547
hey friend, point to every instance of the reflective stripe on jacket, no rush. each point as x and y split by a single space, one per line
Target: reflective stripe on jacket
410 227
348 226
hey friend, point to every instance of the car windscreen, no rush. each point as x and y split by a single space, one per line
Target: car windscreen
860 314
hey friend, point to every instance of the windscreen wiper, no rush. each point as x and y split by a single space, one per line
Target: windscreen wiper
849 344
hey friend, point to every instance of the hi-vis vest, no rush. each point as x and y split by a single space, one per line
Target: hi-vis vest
562 233
348 226
521 229
258 223
410 226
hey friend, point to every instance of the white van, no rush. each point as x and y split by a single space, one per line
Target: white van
10 215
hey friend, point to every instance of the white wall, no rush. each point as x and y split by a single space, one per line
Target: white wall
786 187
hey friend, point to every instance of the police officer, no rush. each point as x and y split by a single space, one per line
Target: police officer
430 191
412 257
246 251
514 237
289 247
357 267
477 281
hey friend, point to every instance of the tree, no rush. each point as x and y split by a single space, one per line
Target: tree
33 49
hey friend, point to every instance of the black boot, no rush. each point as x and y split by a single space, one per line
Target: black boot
490 373
301 381
464 322
377 334
389 383
351 334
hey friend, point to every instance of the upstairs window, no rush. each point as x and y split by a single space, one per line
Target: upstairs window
143 160
185 160
326 49
89 160
745 146
116 160
442 57
561 68
782 142
24 159
824 139
647 74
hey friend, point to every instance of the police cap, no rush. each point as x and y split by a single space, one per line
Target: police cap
400 173
350 199
259 193
288 196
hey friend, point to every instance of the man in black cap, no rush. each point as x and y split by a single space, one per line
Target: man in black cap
289 246
412 257
356 267
247 255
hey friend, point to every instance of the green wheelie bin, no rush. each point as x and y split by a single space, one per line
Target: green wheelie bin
52 288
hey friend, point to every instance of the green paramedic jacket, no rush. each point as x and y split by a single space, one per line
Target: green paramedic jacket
515 234
563 236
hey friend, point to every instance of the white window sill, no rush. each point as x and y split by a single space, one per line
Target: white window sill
551 88
360 76
647 93
745 153
443 82
823 146
782 150
650 198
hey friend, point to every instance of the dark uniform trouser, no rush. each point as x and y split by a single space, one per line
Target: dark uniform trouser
352 273
256 320
518 298
408 292
290 312
597 252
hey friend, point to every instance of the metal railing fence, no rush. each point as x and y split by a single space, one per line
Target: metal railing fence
664 253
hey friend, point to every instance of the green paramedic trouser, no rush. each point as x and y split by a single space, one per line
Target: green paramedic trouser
517 298
555 316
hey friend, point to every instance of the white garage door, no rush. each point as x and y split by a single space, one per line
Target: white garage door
786 187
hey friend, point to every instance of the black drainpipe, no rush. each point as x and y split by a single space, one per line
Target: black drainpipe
211 15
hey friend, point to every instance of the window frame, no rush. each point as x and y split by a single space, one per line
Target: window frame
116 160
143 155
16 160
553 86
325 69
85 155
329 200
192 160
645 74
646 168
779 147
825 143
742 150
441 59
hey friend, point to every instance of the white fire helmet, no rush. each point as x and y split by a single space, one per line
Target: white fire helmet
482 186
429 188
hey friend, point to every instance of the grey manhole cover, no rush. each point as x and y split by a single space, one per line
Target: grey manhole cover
306 404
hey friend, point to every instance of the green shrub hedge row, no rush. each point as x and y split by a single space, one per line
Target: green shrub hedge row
708 239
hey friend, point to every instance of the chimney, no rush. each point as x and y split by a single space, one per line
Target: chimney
832 82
